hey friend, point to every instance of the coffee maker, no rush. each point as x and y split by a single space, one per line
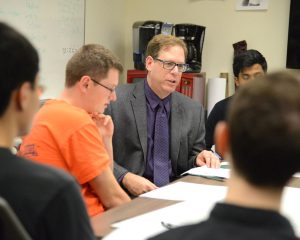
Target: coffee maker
142 34
193 36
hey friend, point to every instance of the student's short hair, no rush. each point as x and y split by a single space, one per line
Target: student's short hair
247 59
19 63
161 42
93 60
264 129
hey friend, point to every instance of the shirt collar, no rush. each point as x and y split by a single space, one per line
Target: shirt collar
154 100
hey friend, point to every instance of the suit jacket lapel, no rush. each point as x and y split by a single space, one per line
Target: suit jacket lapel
138 102
176 124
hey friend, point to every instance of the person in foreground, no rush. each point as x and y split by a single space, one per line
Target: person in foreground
246 66
262 142
47 201
159 133
73 134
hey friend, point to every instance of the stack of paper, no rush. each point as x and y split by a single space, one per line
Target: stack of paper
214 173
183 191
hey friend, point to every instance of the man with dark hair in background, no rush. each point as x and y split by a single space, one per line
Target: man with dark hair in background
246 66
47 201
261 140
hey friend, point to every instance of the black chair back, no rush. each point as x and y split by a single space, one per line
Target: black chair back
10 226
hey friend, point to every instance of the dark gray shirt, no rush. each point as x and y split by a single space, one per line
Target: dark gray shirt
47 201
233 222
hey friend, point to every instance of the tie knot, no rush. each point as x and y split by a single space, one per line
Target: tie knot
160 106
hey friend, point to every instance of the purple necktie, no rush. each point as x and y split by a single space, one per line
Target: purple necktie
161 147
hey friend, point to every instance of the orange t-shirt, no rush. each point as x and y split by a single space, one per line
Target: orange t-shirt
66 137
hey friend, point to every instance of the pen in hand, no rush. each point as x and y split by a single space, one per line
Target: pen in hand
167 225
217 155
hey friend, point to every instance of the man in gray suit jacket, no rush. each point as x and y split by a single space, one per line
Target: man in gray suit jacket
135 116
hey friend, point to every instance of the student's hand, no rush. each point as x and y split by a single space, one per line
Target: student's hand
104 124
137 185
207 158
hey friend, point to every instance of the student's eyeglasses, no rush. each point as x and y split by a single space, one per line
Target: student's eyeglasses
182 67
108 88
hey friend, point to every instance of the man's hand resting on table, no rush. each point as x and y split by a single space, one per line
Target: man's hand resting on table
207 158
137 185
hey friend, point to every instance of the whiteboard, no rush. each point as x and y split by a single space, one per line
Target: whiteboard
55 28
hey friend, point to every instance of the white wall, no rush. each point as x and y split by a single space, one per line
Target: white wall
110 22
265 31
104 24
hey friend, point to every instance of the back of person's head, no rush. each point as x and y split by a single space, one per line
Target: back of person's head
264 129
162 42
19 63
247 59
93 60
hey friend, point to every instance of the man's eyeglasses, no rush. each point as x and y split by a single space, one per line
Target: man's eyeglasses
182 67
108 88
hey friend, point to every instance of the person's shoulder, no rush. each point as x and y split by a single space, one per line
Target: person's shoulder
60 105
44 174
223 103
61 109
128 87
125 86
127 92
218 112
185 100
188 232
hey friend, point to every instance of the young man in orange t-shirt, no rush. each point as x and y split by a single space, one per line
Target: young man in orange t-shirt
72 132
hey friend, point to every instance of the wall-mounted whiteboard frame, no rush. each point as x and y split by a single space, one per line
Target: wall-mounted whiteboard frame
56 29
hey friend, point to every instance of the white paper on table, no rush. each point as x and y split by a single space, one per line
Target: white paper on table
204 171
150 224
182 191
297 175
208 172
192 211
290 207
